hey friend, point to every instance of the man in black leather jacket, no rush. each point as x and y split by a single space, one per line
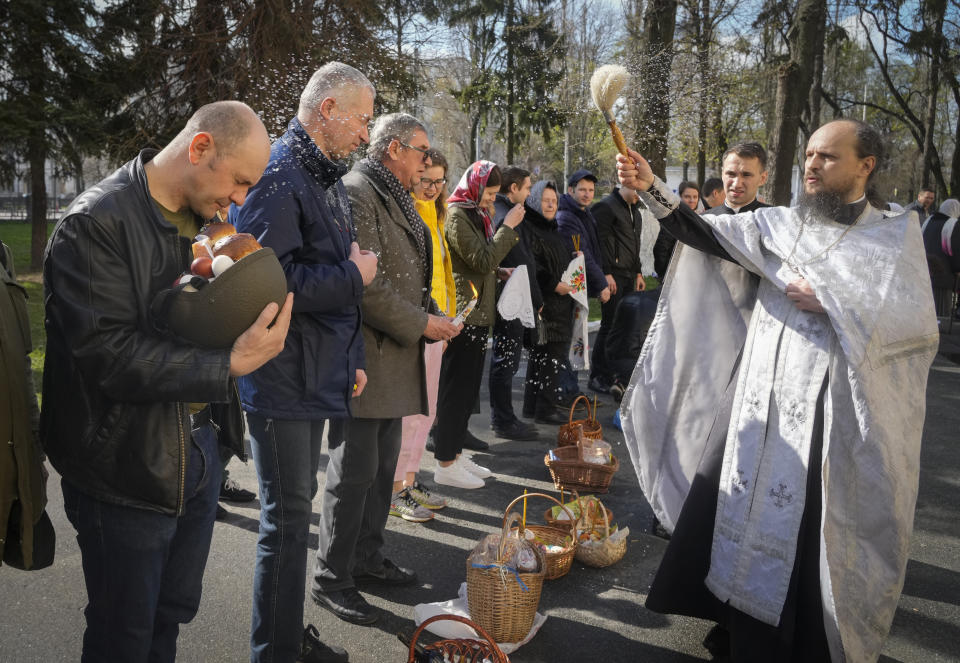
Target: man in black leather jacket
141 473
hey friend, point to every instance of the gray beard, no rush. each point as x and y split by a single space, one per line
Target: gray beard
822 205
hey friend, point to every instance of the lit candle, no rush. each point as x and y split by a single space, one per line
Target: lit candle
472 304
524 522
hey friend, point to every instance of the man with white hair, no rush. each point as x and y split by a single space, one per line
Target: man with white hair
300 210
775 416
399 316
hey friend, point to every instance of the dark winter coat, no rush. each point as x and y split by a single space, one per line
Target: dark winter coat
571 220
299 208
552 256
22 483
618 227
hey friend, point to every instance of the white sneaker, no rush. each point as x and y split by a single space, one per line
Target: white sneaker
457 476
467 463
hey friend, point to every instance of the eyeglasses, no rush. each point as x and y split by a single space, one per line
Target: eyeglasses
418 149
426 182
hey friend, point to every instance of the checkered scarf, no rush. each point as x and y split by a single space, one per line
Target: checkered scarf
405 201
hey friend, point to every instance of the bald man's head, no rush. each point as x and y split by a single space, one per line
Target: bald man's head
227 149
229 123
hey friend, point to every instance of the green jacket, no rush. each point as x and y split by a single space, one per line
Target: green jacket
476 260
22 478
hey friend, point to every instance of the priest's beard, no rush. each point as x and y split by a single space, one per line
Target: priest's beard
821 205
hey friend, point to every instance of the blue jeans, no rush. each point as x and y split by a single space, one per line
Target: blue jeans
143 569
286 453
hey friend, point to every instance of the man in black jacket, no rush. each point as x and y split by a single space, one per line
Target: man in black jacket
508 334
128 421
619 218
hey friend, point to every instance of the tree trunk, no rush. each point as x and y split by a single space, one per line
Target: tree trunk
812 118
659 20
704 34
474 130
794 80
510 40
955 163
934 20
37 158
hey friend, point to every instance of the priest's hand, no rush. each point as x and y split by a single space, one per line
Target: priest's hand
634 172
803 297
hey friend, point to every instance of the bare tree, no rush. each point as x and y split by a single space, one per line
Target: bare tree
654 48
794 79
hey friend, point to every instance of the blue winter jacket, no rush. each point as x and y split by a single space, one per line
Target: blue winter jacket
300 209
571 220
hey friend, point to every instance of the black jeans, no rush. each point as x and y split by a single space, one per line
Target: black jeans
599 367
356 499
504 363
544 389
460 376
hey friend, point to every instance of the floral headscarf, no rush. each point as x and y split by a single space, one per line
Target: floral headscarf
469 191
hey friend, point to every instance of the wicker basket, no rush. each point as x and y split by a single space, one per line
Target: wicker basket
568 435
570 472
557 563
605 554
496 598
567 524
465 650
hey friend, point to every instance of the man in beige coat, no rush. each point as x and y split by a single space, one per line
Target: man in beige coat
399 316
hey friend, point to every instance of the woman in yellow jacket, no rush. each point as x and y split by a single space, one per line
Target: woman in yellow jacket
411 499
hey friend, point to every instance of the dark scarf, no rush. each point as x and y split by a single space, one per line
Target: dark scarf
405 201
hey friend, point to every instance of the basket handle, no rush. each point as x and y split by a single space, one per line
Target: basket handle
573 406
603 509
523 497
508 520
501 657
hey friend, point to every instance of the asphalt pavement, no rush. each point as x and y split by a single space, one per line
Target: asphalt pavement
592 614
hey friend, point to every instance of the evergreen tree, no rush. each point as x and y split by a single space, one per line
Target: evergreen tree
45 109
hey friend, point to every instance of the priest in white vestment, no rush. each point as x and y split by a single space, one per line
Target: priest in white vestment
775 414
